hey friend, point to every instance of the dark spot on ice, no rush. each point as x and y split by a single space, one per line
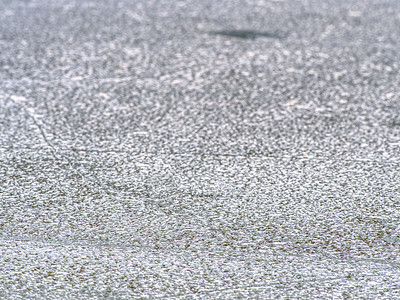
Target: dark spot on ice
247 34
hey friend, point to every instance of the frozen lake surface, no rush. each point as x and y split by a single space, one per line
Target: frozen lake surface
199 149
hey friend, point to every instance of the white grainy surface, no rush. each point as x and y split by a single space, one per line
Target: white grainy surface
199 149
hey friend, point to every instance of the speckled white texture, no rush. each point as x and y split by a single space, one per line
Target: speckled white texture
199 149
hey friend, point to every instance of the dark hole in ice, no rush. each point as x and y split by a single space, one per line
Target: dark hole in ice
247 34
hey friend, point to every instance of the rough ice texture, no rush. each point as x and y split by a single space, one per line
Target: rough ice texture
199 149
